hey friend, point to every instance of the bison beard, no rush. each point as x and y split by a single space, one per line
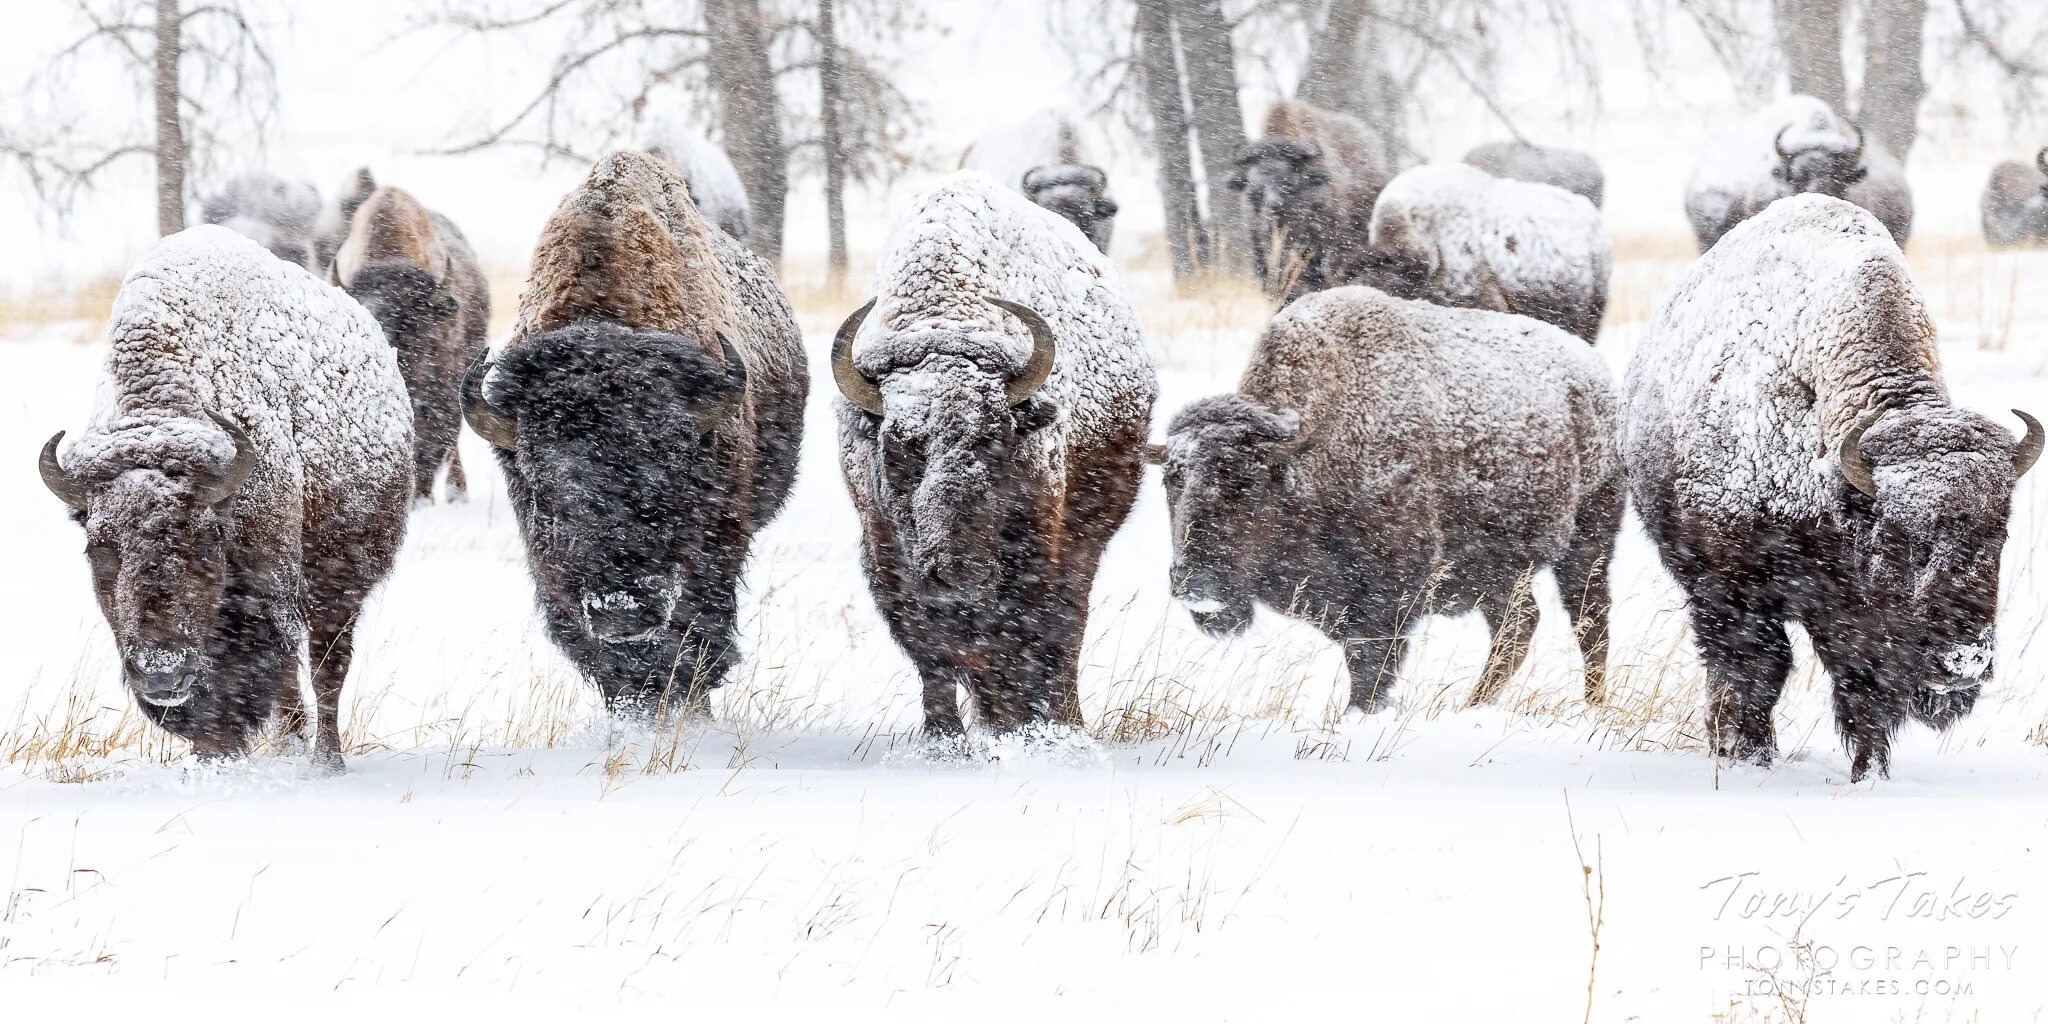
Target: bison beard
626 464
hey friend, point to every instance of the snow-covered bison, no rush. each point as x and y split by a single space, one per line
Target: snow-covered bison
1044 158
279 215
1567 169
1309 182
646 413
242 486
1794 146
1385 459
1458 236
713 181
2015 203
413 270
1794 453
995 397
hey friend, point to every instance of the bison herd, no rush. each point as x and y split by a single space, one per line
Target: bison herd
1421 429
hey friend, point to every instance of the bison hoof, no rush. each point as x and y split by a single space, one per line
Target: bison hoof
328 763
1360 710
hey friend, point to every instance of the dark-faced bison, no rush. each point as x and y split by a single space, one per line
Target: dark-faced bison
413 270
1309 182
646 413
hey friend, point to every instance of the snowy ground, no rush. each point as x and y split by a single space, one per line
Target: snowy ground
1219 847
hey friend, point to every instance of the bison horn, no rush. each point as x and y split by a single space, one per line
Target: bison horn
853 384
2041 159
62 484
1858 155
2029 451
1155 454
1778 143
490 423
1855 468
1043 348
238 471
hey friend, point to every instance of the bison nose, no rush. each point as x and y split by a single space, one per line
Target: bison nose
958 580
622 617
166 687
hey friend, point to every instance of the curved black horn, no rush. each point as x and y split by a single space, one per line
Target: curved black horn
854 384
2041 160
2029 451
1858 155
1855 468
60 483
490 423
1778 143
238 471
1043 348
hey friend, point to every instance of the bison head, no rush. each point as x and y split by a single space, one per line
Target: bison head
618 445
1928 491
1282 179
948 432
1226 460
413 308
156 521
1075 193
1826 169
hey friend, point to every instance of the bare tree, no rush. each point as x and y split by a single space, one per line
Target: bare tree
1187 237
1892 83
830 105
744 77
738 63
1209 66
209 77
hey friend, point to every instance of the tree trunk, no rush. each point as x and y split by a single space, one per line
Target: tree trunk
750 114
1892 84
170 125
829 102
1345 74
1211 70
1160 55
1334 78
1810 40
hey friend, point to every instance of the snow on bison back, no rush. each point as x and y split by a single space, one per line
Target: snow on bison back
1794 453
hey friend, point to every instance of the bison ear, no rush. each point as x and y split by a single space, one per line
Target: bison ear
1858 174
1236 182
1106 207
443 305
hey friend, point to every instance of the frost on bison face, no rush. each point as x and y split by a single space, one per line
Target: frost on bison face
1230 457
1929 515
948 430
156 542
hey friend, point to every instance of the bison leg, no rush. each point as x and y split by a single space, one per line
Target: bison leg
1867 712
1582 583
333 647
1747 657
458 483
1867 716
1512 618
1374 663
942 706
